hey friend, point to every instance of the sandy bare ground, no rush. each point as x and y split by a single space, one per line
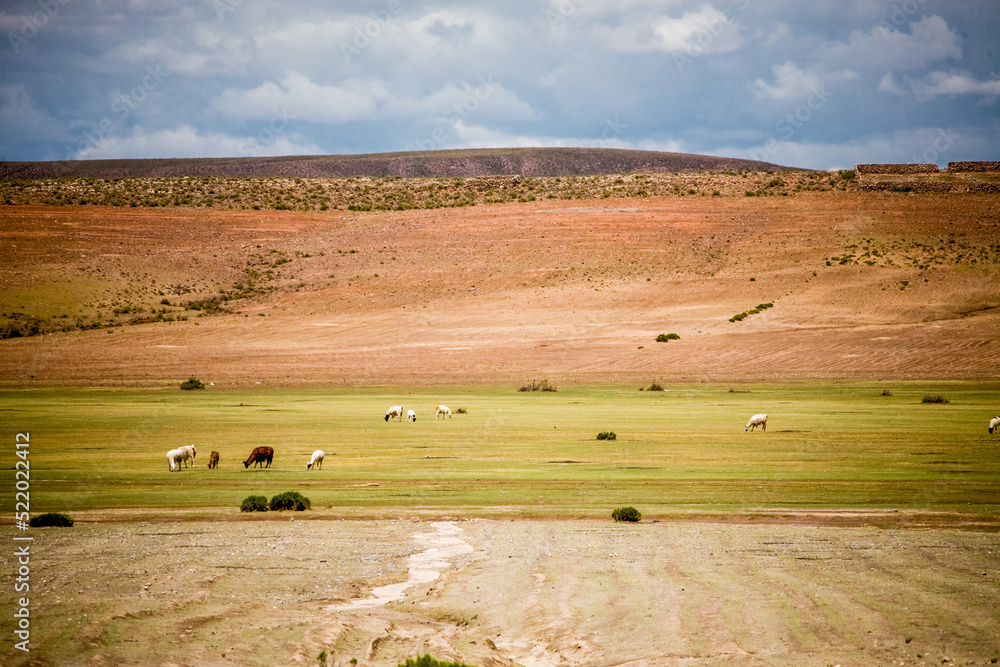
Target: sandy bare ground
575 291
534 593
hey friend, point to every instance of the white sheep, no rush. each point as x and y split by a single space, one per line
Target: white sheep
395 412
188 452
442 410
316 460
755 421
174 459
994 424
411 416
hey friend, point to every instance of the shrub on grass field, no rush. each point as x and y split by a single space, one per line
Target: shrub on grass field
192 383
656 386
935 399
427 661
607 435
290 500
461 411
51 519
626 514
254 504
537 386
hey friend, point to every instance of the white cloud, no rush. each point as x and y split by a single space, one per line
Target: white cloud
696 32
299 98
358 100
364 77
927 144
464 135
888 85
791 83
701 29
941 83
404 45
930 40
186 141
203 52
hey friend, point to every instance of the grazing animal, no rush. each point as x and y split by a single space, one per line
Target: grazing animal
316 460
442 410
395 412
755 421
260 455
213 460
994 424
188 454
411 416
174 459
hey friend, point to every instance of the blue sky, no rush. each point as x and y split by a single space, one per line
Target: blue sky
810 84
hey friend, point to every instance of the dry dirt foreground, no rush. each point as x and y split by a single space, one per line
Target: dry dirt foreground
575 291
534 593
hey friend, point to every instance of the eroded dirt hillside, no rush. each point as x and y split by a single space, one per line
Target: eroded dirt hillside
861 285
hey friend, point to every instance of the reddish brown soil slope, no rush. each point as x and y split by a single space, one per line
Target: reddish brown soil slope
573 291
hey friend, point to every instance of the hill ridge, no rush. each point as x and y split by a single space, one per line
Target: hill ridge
440 163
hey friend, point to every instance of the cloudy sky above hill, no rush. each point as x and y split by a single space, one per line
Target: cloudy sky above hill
810 84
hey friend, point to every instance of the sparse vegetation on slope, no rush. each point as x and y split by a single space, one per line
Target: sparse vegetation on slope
398 194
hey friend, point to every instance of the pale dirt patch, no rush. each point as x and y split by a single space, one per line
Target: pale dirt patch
534 593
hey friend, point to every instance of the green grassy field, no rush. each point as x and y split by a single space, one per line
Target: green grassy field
526 454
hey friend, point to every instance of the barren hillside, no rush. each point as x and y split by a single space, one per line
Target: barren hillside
436 164
863 285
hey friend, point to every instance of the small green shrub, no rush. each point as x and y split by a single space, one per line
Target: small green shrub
739 317
254 504
537 386
290 500
607 435
626 514
663 338
461 411
192 383
935 399
51 519
886 392
656 386
427 661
